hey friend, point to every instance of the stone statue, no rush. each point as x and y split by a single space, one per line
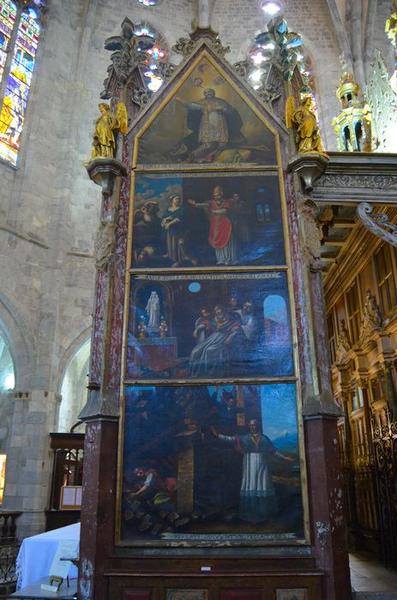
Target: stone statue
104 141
344 344
372 317
153 311
304 121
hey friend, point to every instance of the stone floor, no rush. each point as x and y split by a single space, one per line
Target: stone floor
370 580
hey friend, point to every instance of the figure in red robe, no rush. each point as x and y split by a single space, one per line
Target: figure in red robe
222 236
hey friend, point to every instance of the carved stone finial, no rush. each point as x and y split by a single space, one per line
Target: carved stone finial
186 46
124 58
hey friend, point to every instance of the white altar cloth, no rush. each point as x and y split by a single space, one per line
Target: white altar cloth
36 553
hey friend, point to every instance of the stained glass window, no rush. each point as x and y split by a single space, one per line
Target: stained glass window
3 460
19 31
155 48
8 11
148 2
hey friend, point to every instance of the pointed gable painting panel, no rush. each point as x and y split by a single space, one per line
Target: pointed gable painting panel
207 121
211 446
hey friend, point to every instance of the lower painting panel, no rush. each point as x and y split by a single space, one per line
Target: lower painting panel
211 463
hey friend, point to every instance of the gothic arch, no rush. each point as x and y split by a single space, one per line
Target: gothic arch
16 334
73 381
70 353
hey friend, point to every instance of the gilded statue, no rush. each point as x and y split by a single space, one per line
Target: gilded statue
106 126
304 121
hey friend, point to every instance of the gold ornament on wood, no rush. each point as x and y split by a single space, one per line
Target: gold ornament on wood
303 120
106 127
353 125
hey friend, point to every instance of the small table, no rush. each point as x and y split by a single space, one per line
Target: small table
35 592
36 554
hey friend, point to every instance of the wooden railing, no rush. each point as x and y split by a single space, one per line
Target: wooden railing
8 526
9 546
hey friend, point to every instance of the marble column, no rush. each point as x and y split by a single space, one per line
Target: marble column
320 413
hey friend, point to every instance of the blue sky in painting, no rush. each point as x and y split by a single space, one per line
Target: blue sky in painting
159 190
279 410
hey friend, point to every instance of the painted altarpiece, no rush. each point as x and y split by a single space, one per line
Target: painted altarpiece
210 445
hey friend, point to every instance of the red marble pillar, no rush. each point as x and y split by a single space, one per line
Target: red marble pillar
329 535
101 412
320 412
325 476
98 508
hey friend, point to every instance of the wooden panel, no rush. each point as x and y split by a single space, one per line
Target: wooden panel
241 595
185 594
292 594
137 594
224 586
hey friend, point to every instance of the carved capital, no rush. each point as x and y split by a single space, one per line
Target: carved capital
103 172
99 406
309 167
323 405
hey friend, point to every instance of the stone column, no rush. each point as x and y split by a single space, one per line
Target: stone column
203 14
29 458
320 413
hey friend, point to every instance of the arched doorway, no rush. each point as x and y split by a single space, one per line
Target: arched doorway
74 388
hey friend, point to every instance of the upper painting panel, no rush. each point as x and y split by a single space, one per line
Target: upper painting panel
207 121
207 221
